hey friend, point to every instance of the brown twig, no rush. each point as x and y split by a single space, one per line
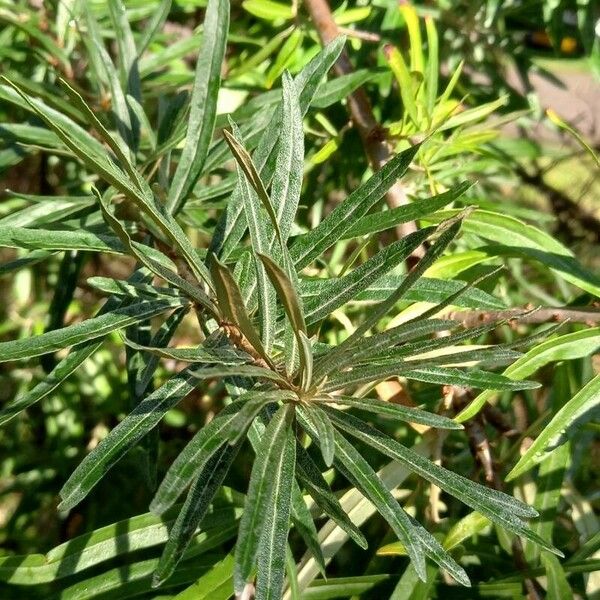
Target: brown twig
546 314
359 34
373 136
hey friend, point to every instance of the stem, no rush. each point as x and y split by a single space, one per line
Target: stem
545 314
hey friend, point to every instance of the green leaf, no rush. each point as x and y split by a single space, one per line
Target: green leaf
195 508
558 587
104 544
253 405
231 226
334 227
322 425
203 103
395 411
103 62
424 290
145 416
405 82
340 88
244 161
521 239
380 221
342 587
343 289
134 187
55 239
289 165
432 67
567 347
579 408
277 507
314 482
305 526
356 469
268 9
214 585
438 375
38 215
467 527
199 354
128 56
498 507
268 466
147 259
285 56
154 25
447 231
93 328
196 453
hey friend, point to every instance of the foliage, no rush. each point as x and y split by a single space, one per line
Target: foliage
212 325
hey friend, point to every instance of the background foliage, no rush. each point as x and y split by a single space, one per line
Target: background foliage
141 139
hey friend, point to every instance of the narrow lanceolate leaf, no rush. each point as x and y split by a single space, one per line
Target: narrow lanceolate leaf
169 275
259 229
287 181
253 403
154 25
305 526
448 233
380 221
498 507
309 475
288 295
289 166
194 509
146 415
579 408
95 46
344 289
128 56
232 305
203 103
55 239
334 226
94 156
356 469
199 354
140 421
438 554
438 375
565 347
395 411
64 368
232 225
192 458
273 540
118 287
268 464
94 548
426 289
322 425
95 327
